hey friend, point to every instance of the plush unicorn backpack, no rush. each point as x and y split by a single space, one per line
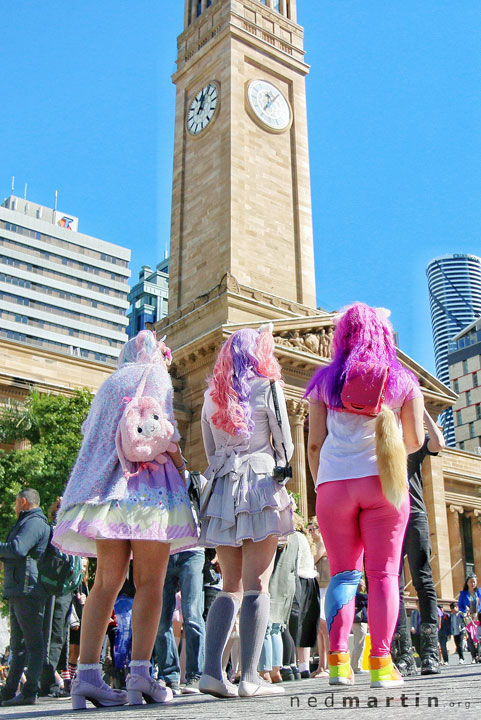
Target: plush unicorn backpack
144 433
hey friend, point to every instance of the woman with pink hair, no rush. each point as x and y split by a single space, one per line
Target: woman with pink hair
112 513
244 507
347 457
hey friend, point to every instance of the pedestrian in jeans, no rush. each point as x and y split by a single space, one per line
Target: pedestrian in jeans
458 630
184 572
26 542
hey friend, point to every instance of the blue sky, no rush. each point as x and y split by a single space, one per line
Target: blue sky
394 132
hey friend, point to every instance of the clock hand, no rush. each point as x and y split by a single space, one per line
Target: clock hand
271 100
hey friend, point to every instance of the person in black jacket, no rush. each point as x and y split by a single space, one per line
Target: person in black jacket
26 542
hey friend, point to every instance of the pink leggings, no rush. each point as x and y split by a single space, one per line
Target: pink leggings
357 523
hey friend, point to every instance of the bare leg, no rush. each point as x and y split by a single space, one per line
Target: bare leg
150 565
323 645
112 566
257 563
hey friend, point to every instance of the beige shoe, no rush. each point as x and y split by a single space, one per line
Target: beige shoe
248 689
218 688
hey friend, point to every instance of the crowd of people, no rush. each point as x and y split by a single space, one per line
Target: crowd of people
228 592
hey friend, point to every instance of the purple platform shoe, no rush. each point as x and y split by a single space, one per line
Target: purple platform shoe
99 696
153 691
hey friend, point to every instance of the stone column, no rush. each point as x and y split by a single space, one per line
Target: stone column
270 4
187 13
476 528
456 545
283 8
435 500
293 10
298 410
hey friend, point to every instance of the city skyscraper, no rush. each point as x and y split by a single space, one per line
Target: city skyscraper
454 283
60 289
149 297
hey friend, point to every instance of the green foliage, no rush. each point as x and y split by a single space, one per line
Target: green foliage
52 424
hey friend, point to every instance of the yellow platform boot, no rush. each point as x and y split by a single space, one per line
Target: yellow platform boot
340 670
383 673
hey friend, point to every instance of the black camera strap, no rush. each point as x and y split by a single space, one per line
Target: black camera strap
278 414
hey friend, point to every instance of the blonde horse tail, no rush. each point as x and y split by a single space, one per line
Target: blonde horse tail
391 457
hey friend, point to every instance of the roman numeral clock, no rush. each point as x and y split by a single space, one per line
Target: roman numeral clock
203 108
241 187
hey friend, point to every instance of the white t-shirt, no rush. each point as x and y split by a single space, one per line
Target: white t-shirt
349 450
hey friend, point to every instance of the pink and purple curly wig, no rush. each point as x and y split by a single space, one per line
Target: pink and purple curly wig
365 336
246 354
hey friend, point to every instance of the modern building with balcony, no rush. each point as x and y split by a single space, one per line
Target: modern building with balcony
464 360
454 283
60 290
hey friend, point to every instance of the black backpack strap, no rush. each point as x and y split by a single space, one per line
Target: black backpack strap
278 414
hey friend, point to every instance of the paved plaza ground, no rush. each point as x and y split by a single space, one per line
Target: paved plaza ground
454 693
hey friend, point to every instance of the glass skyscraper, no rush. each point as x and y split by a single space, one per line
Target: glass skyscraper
454 283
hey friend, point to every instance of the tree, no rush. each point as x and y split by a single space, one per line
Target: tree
52 425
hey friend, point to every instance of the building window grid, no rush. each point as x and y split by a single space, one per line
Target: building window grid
468 397
52 345
61 260
53 292
475 380
64 244
61 312
103 289
61 329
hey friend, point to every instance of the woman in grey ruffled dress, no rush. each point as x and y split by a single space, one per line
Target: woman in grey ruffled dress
244 508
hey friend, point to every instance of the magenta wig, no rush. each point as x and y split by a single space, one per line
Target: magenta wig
363 335
246 354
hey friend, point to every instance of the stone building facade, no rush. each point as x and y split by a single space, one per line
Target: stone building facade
242 247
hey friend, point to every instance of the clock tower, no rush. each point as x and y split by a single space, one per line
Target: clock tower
241 238
241 191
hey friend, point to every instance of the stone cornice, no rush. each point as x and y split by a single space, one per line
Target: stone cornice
242 296
457 502
218 22
20 386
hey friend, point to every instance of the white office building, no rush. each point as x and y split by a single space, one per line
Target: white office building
454 283
60 289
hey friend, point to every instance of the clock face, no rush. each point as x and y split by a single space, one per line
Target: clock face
202 109
269 105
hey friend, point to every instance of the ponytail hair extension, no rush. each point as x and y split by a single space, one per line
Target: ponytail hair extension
391 457
245 354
